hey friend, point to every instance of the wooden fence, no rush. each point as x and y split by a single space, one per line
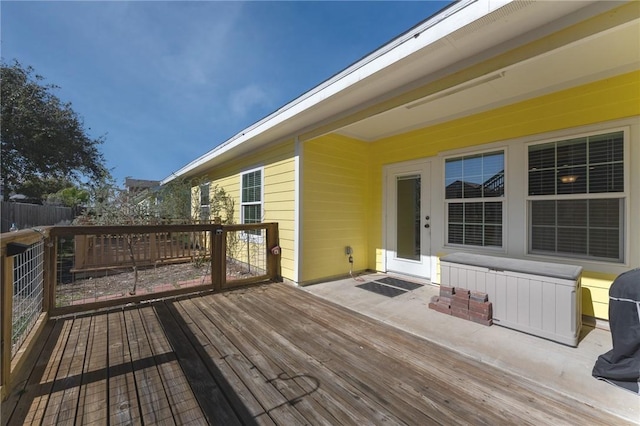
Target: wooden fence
99 252
30 215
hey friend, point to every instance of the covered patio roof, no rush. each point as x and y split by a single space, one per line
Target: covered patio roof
473 56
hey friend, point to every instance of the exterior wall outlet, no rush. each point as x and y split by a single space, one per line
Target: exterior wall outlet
348 250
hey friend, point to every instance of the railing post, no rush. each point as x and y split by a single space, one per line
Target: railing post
218 257
50 273
273 259
6 318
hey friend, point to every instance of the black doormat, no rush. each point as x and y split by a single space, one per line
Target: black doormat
407 285
382 289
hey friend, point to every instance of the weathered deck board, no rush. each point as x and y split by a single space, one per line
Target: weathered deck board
246 405
268 395
63 401
123 406
347 403
517 401
196 376
382 379
269 375
180 396
266 355
92 404
35 390
154 405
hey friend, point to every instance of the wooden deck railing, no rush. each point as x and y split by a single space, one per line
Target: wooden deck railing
61 270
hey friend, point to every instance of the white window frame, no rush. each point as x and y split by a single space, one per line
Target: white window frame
502 199
246 235
624 195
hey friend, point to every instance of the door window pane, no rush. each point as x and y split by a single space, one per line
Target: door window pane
408 217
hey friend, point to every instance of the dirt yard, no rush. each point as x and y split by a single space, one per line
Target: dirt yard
120 282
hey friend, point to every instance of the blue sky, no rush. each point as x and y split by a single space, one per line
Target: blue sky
165 82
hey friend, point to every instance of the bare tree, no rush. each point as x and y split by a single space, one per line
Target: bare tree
175 203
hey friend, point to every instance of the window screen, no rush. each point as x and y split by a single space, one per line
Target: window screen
251 198
252 187
576 200
588 165
205 208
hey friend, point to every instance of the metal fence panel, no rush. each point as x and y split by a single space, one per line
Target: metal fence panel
28 287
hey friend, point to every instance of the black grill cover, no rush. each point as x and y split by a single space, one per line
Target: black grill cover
621 365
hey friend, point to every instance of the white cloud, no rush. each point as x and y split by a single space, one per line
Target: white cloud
242 101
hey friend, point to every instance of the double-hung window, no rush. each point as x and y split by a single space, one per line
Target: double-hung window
205 203
251 197
474 199
576 197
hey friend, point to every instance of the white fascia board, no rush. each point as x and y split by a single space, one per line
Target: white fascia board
436 28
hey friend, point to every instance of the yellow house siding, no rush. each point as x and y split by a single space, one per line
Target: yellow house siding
335 206
601 101
604 100
232 188
595 295
279 206
278 163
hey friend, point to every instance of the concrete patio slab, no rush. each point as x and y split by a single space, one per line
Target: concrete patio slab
565 369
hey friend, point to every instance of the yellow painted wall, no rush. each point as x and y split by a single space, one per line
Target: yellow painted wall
342 177
595 293
334 206
609 99
279 192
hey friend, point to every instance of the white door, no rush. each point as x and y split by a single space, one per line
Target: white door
408 225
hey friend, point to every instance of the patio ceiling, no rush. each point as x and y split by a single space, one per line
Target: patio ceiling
606 54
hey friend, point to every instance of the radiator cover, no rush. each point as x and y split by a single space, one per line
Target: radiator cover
539 298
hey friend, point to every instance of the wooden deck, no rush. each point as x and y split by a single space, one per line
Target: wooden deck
266 355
